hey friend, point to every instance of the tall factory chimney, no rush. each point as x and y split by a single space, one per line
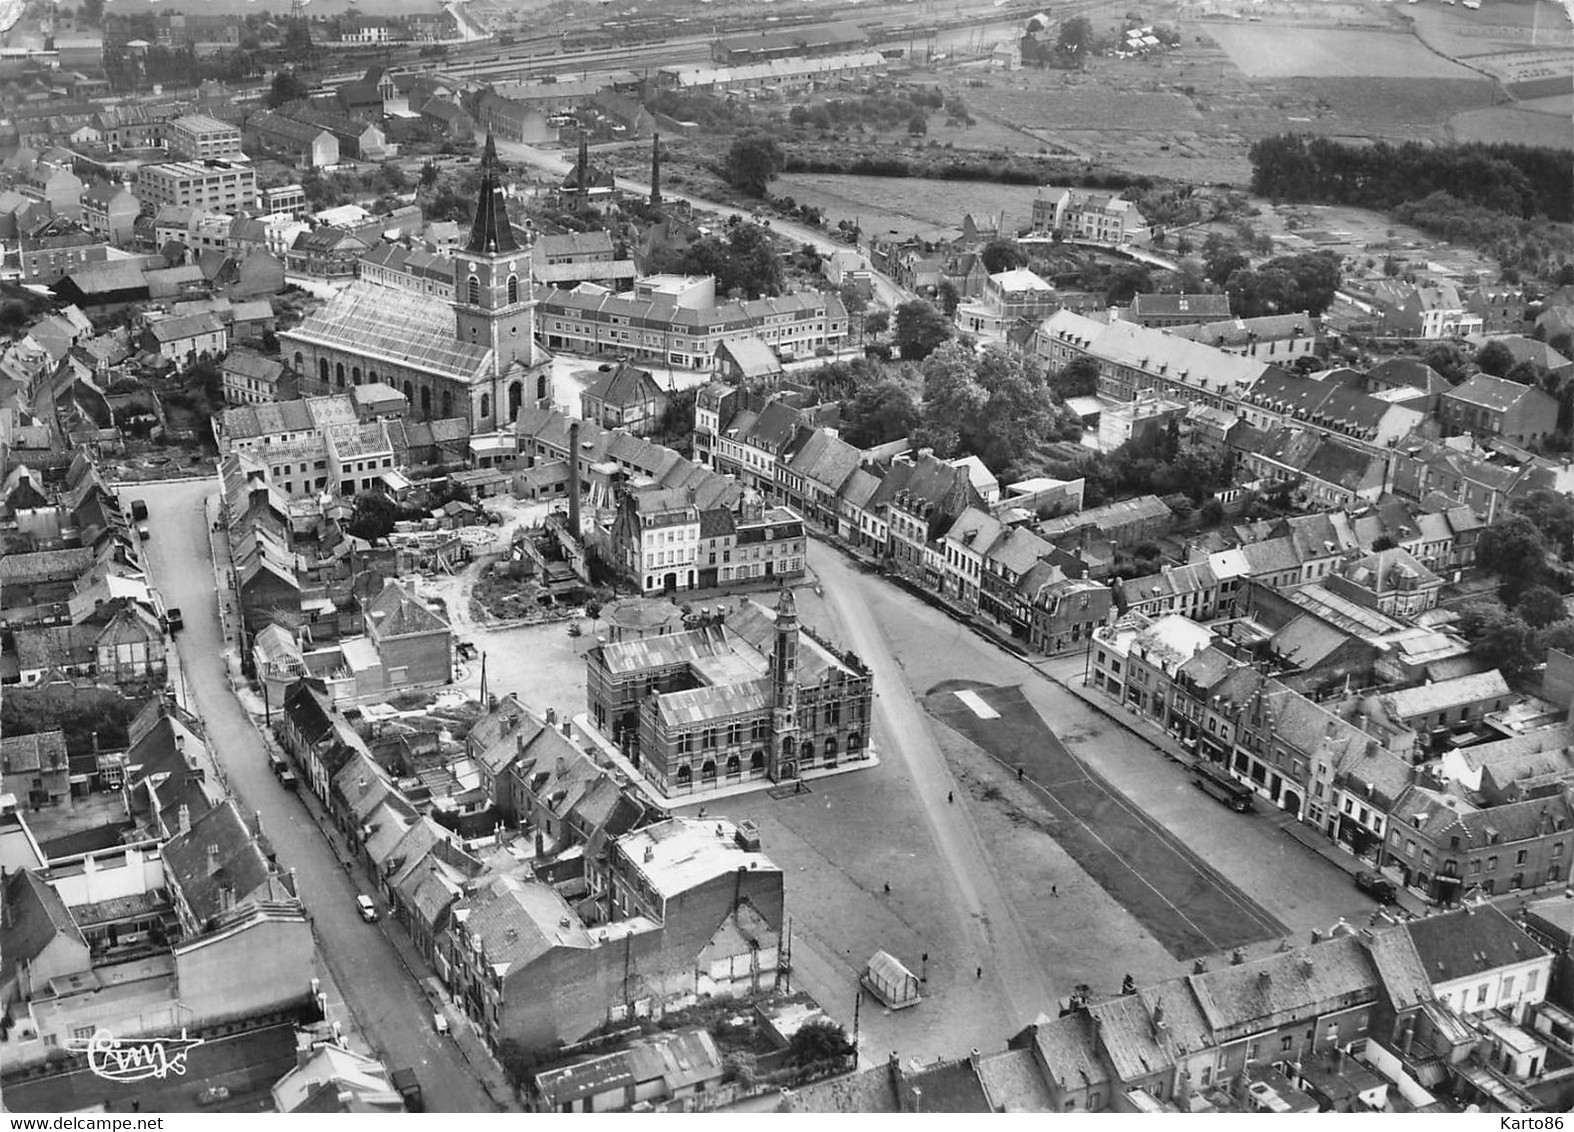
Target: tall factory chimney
573 477
655 170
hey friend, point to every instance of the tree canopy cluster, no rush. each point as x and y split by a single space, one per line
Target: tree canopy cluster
1519 180
743 261
991 404
1529 550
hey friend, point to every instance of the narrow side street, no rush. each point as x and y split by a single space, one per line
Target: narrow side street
389 1007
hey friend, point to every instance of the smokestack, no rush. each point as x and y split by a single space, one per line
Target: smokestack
573 478
183 818
655 170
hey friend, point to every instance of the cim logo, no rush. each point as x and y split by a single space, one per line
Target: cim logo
135 1059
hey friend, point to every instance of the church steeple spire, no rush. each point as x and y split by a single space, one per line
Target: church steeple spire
491 233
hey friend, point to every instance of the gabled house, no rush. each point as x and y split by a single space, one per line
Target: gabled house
625 397
1496 407
39 939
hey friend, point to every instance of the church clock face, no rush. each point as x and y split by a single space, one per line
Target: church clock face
473 267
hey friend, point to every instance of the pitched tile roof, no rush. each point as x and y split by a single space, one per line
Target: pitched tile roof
1471 941
43 751
396 612
34 916
219 853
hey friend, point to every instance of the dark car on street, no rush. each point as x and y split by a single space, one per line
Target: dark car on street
1377 886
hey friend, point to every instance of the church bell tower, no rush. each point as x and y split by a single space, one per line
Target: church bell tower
493 304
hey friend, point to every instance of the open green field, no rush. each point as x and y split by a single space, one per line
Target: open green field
906 205
1514 124
1266 51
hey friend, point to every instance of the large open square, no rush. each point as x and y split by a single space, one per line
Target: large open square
1189 907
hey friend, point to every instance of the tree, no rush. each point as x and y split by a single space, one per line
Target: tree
1125 281
1501 639
1076 37
91 12
429 174
949 299
1539 606
917 126
877 322
1552 515
752 162
372 516
1383 542
1494 358
854 297
1515 550
1221 258
1079 378
287 87
1559 635
817 1041
13 316
879 413
1448 360
1002 255
920 329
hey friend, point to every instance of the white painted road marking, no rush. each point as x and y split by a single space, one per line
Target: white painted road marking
976 702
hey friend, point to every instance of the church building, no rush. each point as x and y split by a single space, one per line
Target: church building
473 355
744 695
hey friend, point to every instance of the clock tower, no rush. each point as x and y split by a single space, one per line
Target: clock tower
493 304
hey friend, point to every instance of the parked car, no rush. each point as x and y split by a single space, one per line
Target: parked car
213 1094
368 910
139 509
288 780
143 533
174 620
277 764
440 1022
1377 886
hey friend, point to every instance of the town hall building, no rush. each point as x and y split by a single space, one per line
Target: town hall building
743 695
473 355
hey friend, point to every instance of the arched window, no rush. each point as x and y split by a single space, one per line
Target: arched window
473 292
685 775
486 404
830 749
735 765
516 397
409 393
372 377
448 403
338 374
757 761
355 375
708 771
855 742
426 401
322 369
806 752
541 387
787 748
513 288
299 361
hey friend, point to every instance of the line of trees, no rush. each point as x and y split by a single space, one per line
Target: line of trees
1517 180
